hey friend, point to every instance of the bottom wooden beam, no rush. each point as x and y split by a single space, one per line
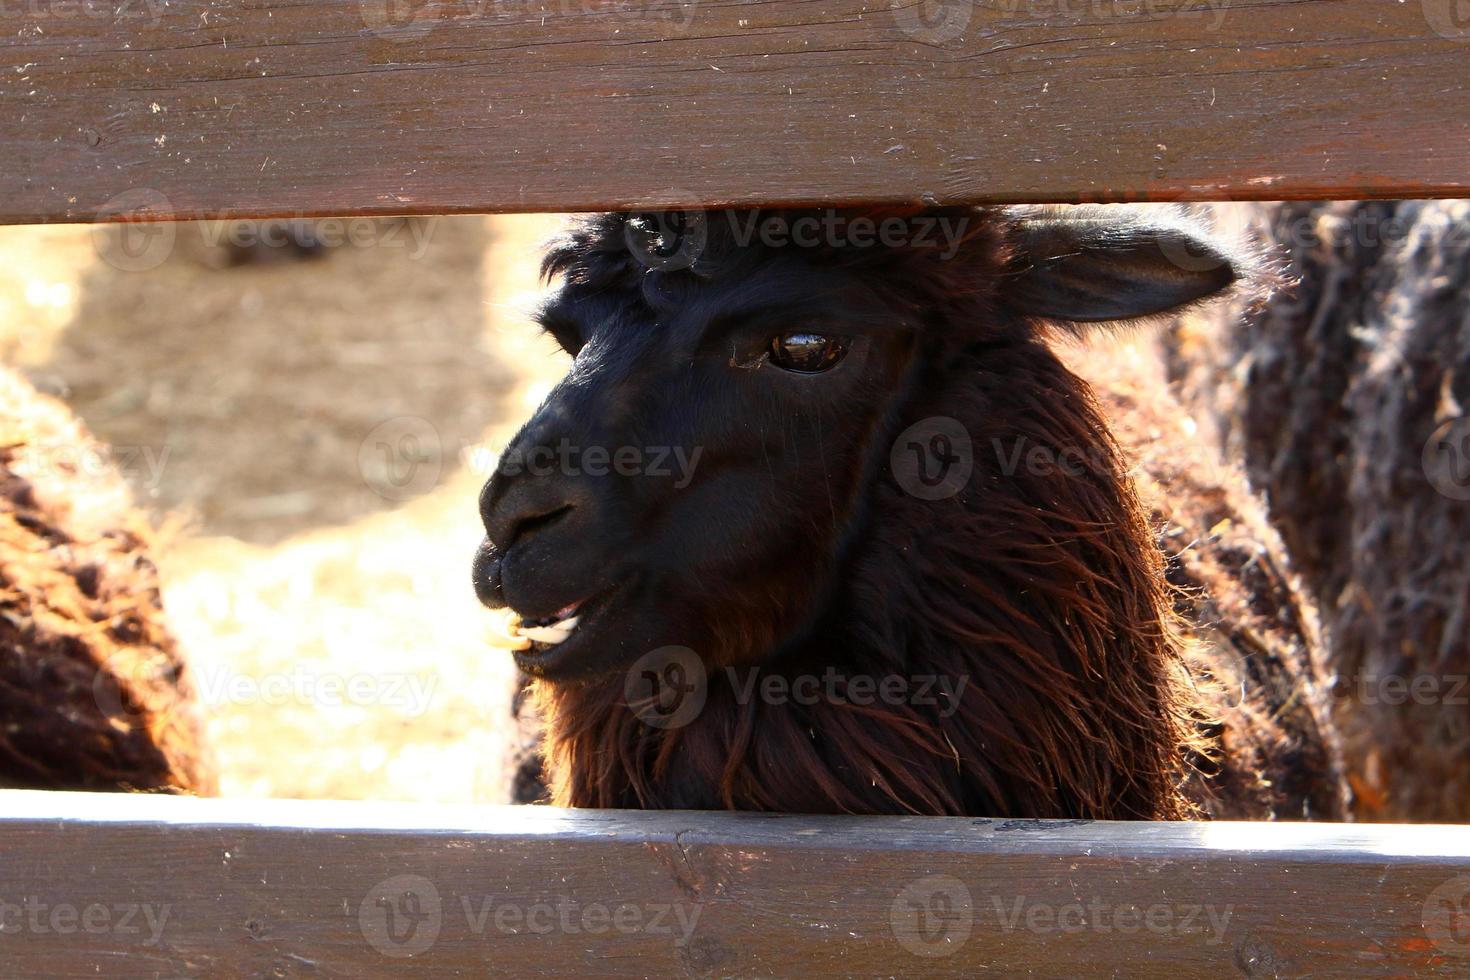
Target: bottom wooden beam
148 886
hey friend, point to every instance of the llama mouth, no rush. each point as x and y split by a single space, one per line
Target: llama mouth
526 636
559 643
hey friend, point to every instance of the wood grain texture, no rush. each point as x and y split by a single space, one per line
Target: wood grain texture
215 107
287 889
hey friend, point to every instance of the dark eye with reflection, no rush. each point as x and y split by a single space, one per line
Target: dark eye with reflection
807 353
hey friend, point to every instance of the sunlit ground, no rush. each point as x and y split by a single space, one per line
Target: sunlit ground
305 426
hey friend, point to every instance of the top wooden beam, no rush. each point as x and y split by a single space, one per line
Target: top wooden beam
218 108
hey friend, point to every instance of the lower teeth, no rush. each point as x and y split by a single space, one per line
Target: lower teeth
512 633
544 634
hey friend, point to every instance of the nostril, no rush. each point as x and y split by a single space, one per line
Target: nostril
533 523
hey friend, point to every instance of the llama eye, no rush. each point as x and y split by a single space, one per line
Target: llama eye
807 353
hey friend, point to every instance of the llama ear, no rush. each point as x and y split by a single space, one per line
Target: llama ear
1101 263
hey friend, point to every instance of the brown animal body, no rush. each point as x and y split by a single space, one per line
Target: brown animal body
94 694
1250 632
1038 661
1255 643
1348 398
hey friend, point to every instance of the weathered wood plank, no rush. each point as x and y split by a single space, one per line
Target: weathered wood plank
221 887
214 107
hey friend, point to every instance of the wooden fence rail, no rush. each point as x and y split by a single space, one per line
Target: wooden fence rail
141 886
215 107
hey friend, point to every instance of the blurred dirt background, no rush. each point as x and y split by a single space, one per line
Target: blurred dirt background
312 432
